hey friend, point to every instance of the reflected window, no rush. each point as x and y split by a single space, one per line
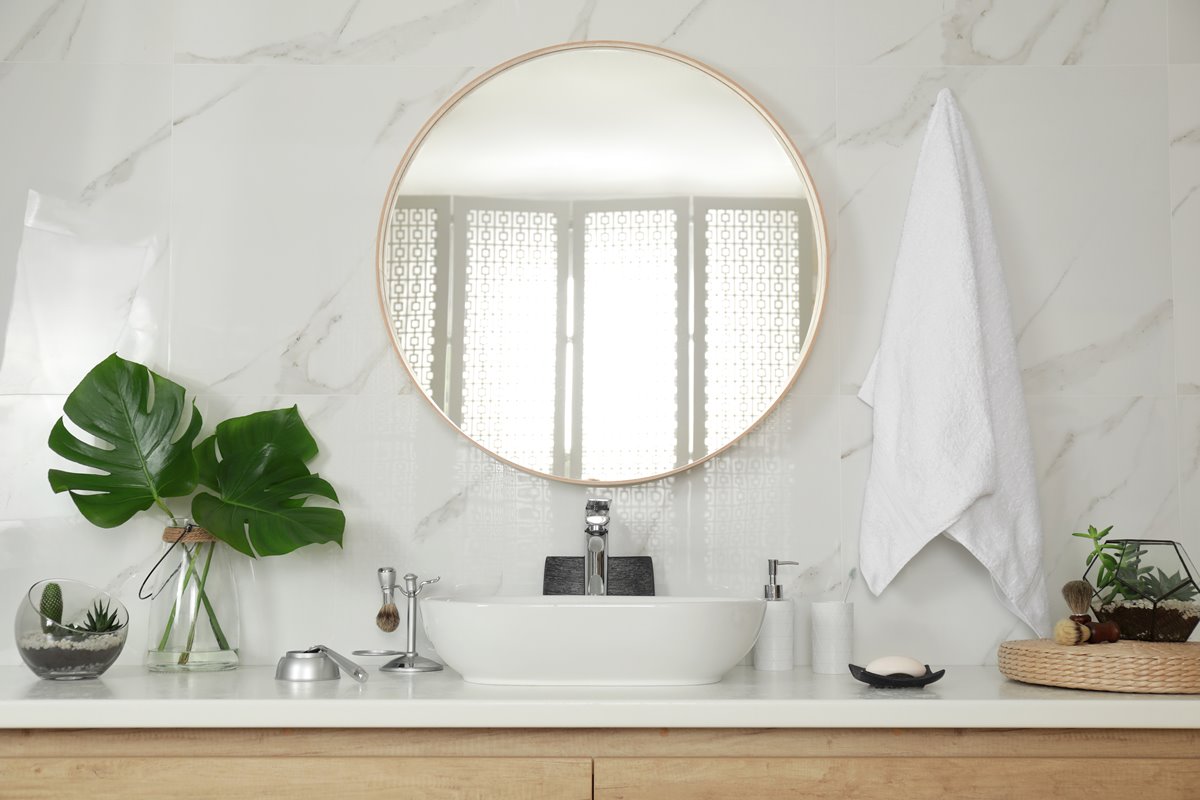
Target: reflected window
509 291
553 323
416 245
632 273
752 298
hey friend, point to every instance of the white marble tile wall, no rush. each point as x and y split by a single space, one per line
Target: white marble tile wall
258 138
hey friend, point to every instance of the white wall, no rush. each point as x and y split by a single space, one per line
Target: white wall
259 137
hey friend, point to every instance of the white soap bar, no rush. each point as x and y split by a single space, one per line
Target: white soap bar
893 665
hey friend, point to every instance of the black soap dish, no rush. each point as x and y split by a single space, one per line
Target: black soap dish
897 681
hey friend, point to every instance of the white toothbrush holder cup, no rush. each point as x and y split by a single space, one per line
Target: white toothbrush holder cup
832 636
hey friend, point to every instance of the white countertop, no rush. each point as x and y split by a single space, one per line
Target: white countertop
250 697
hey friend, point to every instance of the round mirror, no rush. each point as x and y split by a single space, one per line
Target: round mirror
602 262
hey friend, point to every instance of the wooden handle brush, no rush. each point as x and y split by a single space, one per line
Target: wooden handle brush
388 618
1078 595
1070 632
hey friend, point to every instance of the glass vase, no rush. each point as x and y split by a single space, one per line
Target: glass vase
194 617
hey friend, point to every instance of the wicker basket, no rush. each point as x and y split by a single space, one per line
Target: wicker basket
1125 666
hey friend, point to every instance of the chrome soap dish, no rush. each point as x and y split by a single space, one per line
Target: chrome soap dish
317 663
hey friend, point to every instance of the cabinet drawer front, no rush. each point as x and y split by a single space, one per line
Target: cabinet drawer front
345 778
889 778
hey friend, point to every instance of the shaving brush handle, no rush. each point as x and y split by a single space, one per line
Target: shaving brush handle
387 583
1103 632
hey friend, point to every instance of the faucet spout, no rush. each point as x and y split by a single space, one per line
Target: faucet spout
595 575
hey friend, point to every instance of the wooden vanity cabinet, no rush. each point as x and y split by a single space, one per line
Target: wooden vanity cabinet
613 764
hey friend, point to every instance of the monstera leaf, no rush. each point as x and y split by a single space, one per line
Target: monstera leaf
136 414
254 467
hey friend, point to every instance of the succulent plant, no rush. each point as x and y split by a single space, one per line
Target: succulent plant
101 619
1121 575
1167 587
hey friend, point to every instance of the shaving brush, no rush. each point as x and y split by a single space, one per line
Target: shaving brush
1070 632
1077 629
1078 595
388 618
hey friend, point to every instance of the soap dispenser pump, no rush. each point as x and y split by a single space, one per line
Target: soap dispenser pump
775 649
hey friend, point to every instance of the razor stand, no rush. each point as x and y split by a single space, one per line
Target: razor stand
409 661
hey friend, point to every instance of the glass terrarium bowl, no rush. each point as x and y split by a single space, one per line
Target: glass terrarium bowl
1148 587
73 633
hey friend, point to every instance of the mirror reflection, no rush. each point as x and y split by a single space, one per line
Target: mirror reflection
602 263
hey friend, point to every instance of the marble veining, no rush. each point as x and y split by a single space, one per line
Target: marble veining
1046 299
1184 131
683 23
1071 438
38 28
1189 137
959 31
910 118
1009 33
583 21
1068 368
328 47
1187 196
928 24
222 94
403 107
1189 459
259 140
453 508
82 32
1189 453
123 169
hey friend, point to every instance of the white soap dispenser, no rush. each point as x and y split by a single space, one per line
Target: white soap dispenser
775 648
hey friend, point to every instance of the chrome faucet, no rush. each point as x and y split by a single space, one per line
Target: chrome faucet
595 574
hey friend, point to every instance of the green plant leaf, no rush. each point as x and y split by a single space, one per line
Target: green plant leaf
255 467
136 413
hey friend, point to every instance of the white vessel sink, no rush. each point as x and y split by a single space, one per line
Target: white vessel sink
592 641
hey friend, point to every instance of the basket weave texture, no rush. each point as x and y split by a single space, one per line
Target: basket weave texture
1125 666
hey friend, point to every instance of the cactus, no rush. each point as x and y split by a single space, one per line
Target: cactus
52 602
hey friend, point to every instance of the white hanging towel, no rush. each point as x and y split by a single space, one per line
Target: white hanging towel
952 451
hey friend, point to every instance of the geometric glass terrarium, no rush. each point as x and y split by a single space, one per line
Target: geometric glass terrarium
1147 586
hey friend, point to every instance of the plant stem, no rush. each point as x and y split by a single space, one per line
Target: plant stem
187 575
222 642
200 581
